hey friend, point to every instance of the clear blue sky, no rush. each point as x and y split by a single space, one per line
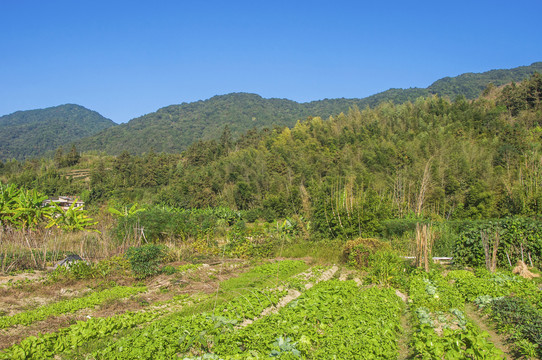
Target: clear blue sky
128 58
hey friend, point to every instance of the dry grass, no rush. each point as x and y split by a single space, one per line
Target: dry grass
40 248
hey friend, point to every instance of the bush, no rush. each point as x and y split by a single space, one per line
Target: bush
107 268
522 316
515 234
169 270
145 260
386 268
357 252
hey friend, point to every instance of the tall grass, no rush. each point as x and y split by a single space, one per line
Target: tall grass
41 248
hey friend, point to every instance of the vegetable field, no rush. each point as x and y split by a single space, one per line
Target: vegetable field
290 310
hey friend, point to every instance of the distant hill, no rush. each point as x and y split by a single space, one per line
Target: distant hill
174 128
33 133
471 85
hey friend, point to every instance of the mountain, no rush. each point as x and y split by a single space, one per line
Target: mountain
471 85
31 133
174 128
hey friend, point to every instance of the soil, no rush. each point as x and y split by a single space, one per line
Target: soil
160 288
403 343
36 275
15 299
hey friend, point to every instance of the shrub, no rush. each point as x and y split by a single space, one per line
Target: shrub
357 252
521 316
107 268
145 260
169 270
386 268
519 237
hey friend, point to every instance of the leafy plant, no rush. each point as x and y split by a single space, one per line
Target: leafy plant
134 209
145 260
72 219
386 268
284 346
357 252
67 306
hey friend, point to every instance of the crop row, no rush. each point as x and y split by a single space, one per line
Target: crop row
240 298
333 317
69 306
482 283
65 340
68 339
511 301
442 329
177 332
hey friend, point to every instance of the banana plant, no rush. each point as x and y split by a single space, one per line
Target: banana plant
8 196
72 219
125 211
29 210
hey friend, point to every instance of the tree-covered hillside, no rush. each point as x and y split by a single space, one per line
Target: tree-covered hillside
432 158
172 129
471 85
32 133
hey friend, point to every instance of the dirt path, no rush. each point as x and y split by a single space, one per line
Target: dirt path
497 339
404 340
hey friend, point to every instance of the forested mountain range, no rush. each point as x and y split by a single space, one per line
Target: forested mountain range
173 128
32 133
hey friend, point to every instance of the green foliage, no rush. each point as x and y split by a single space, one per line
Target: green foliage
357 253
22 209
386 268
442 330
471 85
187 268
433 292
454 344
125 212
68 306
74 218
526 95
519 238
116 266
198 333
168 270
324 320
284 346
178 127
145 260
426 160
524 318
65 340
33 133
345 213
493 285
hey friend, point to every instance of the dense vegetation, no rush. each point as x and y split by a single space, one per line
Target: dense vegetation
178 242
174 128
33 133
432 158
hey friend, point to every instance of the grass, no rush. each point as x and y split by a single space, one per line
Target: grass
322 252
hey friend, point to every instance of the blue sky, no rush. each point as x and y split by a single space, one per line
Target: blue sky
128 58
